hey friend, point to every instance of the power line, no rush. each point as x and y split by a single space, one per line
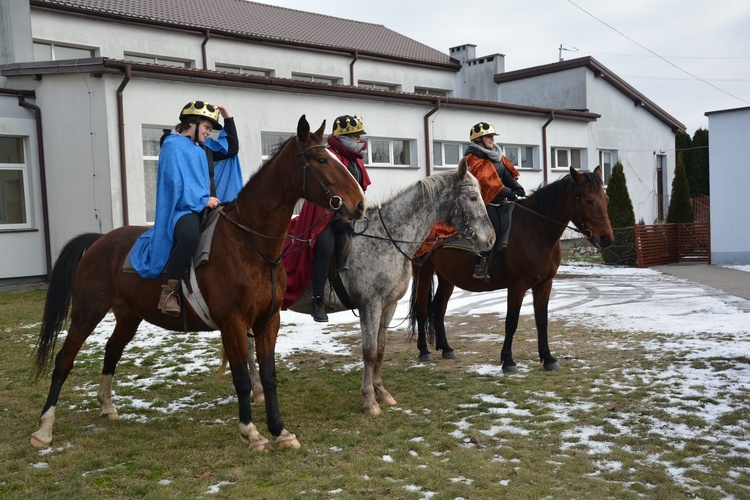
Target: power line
654 53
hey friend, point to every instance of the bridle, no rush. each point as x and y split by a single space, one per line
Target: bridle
578 227
334 202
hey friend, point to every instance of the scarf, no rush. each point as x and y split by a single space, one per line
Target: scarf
494 155
348 147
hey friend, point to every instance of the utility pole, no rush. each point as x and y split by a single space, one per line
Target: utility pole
562 47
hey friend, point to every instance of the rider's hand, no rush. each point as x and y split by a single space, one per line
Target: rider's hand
213 202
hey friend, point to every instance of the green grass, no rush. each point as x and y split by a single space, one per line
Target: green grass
605 426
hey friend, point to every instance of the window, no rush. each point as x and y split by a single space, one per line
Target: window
315 78
48 51
270 143
566 158
520 156
14 197
150 138
607 160
243 70
164 61
447 154
428 91
382 151
377 86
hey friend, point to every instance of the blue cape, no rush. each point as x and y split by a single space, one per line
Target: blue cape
182 187
228 172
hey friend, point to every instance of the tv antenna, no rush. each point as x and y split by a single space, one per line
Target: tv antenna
566 48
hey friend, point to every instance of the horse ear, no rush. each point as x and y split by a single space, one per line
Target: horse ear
462 168
319 133
598 172
303 129
577 177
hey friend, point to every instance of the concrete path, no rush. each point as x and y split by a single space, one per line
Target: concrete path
731 281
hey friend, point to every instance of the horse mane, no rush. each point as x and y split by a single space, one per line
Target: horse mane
431 186
274 153
550 197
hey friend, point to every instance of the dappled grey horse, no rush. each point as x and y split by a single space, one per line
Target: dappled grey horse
380 261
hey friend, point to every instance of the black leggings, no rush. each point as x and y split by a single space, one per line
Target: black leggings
324 246
187 233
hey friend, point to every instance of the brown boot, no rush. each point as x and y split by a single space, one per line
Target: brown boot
482 268
169 301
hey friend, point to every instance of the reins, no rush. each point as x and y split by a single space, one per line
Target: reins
334 202
584 231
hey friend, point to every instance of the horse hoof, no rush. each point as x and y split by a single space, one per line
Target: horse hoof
372 410
258 399
510 369
110 416
38 443
260 447
287 440
552 366
449 354
426 358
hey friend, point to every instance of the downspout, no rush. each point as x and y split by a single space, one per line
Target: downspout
544 147
351 68
121 134
427 141
207 35
43 181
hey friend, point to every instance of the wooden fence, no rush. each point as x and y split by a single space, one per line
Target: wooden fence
667 243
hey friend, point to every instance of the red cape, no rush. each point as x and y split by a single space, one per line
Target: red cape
299 255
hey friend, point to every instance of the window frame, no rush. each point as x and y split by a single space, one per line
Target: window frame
25 193
174 62
443 164
572 155
309 77
367 84
432 91
607 172
243 70
53 46
407 145
525 151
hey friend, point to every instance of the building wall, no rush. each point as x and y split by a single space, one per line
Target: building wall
729 170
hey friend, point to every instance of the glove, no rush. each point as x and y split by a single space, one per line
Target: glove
520 193
512 196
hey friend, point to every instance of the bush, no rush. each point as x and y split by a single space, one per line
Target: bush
622 218
680 208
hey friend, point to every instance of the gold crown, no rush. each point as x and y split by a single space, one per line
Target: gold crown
345 125
481 129
201 109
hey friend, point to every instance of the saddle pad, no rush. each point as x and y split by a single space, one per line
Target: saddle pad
504 212
204 244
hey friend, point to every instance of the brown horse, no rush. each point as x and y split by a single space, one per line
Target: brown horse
243 283
530 261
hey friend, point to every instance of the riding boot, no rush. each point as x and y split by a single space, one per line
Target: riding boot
482 268
319 310
169 302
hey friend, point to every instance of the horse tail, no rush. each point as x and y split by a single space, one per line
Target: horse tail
412 316
59 294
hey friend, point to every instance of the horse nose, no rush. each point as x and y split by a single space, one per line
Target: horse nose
605 241
360 210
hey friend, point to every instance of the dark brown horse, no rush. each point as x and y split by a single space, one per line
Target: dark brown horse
530 261
243 283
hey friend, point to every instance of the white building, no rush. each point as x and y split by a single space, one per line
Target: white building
86 86
729 171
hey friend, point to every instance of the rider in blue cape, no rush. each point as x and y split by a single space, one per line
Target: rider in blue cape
183 192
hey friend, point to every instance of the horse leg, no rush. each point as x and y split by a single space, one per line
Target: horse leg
382 396
82 323
541 295
421 294
369 320
515 300
440 305
125 328
256 391
265 343
234 341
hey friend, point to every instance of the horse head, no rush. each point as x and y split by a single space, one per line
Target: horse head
326 181
469 215
591 206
